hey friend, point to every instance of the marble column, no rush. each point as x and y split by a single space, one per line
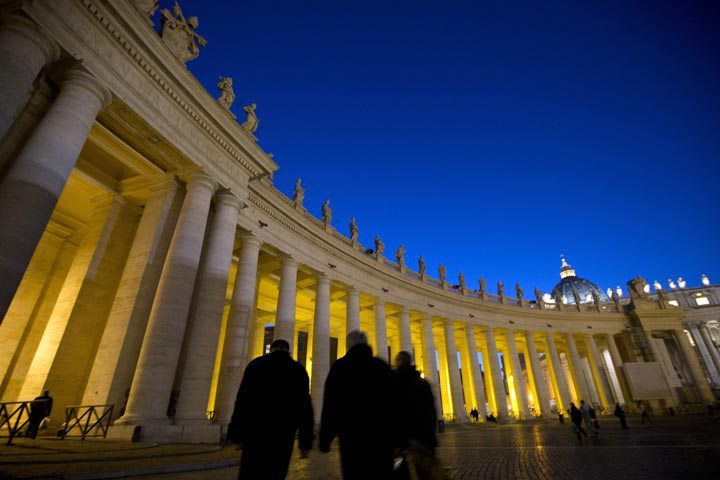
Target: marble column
711 348
160 352
577 370
320 344
497 381
704 353
34 182
558 373
237 329
430 370
601 381
404 324
539 380
114 364
475 372
24 51
207 312
381 344
618 364
519 380
695 370
668 371
454 373
285 320
353 310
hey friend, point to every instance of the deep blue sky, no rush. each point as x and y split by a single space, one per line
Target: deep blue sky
491 136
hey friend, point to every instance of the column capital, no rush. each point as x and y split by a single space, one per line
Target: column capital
352 291
200 179
227 198
404 310
250 238
32 32
378 301
75 76
322 278
287 260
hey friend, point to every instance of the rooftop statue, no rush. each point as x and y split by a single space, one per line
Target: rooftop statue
379 247
442 274
559 301
657 285
483 288
461 281
616 300
421 267
400 257
501 291
251 121
636 288
179 34
519 294
148 7
671 283
576 296
662 297
596 299
227 94
353 231
326 214
298 194
539 299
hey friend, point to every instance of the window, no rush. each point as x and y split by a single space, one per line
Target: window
674 303
702 300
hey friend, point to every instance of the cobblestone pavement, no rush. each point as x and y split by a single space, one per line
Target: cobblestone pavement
685 447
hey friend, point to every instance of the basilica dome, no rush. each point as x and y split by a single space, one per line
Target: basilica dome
569 281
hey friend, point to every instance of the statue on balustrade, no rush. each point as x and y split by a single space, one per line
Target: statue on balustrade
442 274
559 301
400 257
353 231
461 281
179 34
379 247
251 121
616 300
298 194
483 288
148 7
326 214
576 296
636 288
662 298
421 267
501 291
227 94
539 298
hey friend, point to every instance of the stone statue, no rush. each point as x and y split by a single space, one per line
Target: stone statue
179 34
298 194
662 298
559 300
421 267
227 94
576 297
442 274
461 281
501 291
636 288
539 299
326 214
596 299
400 257
657 285
616 300
379 247
251 121
671 284
483 288
519 294
148 7
353 231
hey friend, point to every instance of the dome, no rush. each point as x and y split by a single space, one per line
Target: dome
569 282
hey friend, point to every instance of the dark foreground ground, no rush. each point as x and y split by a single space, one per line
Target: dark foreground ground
685 447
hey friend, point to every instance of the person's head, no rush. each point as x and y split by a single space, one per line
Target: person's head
356 337
403 359
572 404
46 393
582 402
279 345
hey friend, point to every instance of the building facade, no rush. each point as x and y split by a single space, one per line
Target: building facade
146 257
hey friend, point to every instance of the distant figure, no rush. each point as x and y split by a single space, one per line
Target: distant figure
645 414
360 408
475 414
576 417
491 418
418 417
620 413
40 408
272 404
587 415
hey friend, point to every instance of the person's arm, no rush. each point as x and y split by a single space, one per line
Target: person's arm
307 419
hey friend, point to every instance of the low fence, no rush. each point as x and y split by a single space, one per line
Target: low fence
15 417
87 421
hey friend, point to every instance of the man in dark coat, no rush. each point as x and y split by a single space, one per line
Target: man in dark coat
620 413
272 404
576 417
40 408
360 407
418 417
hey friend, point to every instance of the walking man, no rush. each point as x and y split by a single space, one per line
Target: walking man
620 413
645 414
576 418
273 403
40 408
587 417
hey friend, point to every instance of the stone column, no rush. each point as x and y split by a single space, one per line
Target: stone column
237 329
602 382
617 364
404 323
712 349
381 345
454 373
32 186
24 51
285 320
698 377
704 353
674 399
320 344
207 312
475 372
519 380
498 385
353 310
160 352
114 364
577 370
540 384
558 373
429 365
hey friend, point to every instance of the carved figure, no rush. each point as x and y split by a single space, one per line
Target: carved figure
379 247
596 299
671 283
559 300
400 257
442 274
483 287
461 281
227 94
148 7
326 214
576 297
616 300
538 296
501 291
251 121
179 34
636 288
353 230
298 194
662 298
421 267
657 285
519 291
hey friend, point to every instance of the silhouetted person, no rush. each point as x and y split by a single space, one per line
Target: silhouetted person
620 413
576 418
418 417
475 414
360 408
645 415
585 410
273 403
491 418
39 409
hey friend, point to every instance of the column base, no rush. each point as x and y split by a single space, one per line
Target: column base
159 433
